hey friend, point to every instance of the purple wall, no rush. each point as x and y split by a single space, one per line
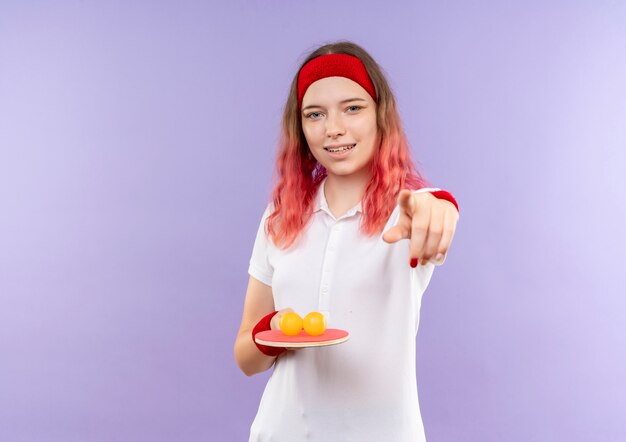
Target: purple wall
137 143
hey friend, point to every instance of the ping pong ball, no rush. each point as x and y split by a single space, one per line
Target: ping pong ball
314 323
290 323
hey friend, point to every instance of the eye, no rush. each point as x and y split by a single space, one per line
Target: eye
312 113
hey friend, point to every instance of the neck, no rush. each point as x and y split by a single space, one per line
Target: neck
342 192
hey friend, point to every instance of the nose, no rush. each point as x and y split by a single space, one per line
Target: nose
334 127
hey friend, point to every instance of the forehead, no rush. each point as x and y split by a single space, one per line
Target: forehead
332 89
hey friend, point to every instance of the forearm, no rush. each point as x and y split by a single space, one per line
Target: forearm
248 356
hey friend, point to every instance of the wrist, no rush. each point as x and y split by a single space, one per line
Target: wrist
265 324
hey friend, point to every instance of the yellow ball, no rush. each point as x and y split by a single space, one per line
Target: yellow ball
290 323
314 323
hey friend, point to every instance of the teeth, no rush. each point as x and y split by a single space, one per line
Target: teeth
341 149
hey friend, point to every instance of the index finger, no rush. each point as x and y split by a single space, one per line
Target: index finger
405 200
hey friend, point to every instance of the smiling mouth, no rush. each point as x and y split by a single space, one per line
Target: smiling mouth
340 149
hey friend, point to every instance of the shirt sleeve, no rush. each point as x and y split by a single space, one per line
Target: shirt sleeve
260 267
426 189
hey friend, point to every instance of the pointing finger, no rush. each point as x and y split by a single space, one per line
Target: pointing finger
405 200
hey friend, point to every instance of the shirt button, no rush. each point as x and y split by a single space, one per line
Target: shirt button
331 247
324 289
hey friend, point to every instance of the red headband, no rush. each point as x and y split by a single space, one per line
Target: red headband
334 65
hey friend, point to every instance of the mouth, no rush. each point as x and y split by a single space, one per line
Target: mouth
340 150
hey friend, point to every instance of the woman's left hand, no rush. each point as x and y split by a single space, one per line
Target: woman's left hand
429 222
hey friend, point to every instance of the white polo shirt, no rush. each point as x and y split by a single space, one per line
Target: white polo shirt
361 390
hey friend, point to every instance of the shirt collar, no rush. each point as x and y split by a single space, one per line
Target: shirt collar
321 204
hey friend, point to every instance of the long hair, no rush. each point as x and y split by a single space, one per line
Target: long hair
298 175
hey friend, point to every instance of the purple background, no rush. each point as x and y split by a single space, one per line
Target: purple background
137 143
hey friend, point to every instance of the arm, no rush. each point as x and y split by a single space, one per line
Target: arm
259 303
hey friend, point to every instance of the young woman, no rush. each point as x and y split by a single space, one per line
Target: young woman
330 241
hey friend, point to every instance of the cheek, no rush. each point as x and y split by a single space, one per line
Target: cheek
311 133
365 126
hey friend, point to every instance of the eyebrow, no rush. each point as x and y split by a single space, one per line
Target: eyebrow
342 101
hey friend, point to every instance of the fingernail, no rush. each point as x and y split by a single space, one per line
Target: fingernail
439 257
413 262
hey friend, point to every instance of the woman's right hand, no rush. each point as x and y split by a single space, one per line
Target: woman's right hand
274 323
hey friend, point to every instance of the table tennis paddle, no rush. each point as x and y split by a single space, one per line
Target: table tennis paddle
276 338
